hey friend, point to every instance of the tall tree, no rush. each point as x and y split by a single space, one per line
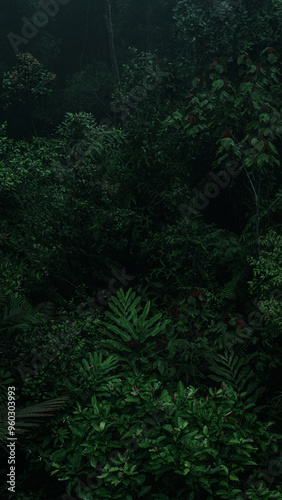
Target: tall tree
110 31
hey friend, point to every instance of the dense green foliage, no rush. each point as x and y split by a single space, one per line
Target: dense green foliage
140 251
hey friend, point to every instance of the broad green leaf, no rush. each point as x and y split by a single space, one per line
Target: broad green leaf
145 313
76 430
120 333
217 84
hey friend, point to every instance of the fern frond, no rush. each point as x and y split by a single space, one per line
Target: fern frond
16 313
231 289
235 371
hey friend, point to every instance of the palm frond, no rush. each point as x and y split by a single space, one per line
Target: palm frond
31 416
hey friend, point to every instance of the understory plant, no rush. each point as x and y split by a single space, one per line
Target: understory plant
134 437
266 283
130 433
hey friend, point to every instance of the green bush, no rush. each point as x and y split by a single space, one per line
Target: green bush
127 431
134 437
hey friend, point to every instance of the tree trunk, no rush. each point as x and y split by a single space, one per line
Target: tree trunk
148 25
111 40
30 114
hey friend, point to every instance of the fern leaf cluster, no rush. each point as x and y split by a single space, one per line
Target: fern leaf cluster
235 371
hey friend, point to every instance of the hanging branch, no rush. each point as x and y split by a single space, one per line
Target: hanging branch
256 196
111 40
273 203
